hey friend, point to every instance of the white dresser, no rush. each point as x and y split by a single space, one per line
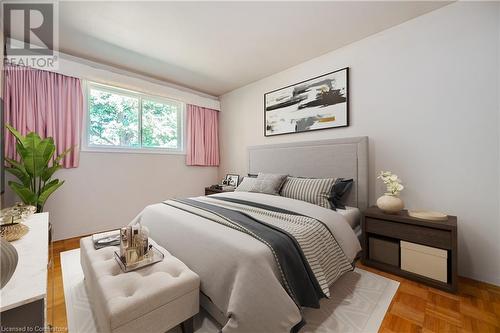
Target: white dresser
23 298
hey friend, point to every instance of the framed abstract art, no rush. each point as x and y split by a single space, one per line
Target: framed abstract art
318 103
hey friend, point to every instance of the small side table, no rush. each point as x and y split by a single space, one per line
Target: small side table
24 297
413 248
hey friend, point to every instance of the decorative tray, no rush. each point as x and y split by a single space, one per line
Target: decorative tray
428 215
154 257
16 214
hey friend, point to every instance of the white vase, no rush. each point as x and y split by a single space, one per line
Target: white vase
390 204
8 261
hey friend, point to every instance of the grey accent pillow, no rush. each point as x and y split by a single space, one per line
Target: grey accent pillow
313 190
257 185
340 190
275 180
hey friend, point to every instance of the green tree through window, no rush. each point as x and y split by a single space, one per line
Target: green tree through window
114 119
159 124
123 119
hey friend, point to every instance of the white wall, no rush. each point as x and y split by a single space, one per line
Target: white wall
107 190
425 92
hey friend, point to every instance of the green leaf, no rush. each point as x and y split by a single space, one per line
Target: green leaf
63 154
14 163
28 153
24 192
47 190
48 172
18 170
21 151
22 176
37 153
19 137
46 150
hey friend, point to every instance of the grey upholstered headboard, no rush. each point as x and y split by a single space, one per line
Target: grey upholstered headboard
346 157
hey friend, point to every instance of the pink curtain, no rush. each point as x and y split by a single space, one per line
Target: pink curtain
202 136
47 103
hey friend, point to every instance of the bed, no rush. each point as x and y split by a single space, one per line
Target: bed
250 281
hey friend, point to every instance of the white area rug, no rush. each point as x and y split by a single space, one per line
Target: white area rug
359 302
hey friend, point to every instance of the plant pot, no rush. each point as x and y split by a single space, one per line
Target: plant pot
390 204
8 261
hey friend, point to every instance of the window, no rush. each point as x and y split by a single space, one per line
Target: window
120 119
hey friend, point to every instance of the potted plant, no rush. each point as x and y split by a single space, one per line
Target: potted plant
35 169
390 202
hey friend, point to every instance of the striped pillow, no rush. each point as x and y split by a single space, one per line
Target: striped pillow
313 190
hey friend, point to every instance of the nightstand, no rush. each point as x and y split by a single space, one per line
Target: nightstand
421 250
211 190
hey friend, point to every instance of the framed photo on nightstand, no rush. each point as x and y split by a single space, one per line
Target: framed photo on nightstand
232 180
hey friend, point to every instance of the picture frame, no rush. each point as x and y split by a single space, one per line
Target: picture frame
321 102
232 180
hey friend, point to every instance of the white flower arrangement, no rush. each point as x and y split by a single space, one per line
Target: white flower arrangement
392 182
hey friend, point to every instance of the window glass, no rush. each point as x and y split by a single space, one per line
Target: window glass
160 124
125 119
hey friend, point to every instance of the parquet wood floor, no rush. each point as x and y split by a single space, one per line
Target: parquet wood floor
414 308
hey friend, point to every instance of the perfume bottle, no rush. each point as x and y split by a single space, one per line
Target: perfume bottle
124 242
150 255
134 244
131 256
145 239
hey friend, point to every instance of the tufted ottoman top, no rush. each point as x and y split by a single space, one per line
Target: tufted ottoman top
127 296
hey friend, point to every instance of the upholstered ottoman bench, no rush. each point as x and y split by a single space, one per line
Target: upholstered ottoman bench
152 299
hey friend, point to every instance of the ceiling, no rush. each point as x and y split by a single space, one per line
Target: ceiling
215 47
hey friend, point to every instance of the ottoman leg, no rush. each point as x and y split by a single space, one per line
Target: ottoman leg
187 326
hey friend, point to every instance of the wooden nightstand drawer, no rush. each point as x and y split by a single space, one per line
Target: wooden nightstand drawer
424 260
409 232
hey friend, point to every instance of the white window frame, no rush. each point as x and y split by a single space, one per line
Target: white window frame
87 147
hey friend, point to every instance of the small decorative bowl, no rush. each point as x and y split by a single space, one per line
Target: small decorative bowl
14 231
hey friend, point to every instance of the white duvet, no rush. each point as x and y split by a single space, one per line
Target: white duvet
238 273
